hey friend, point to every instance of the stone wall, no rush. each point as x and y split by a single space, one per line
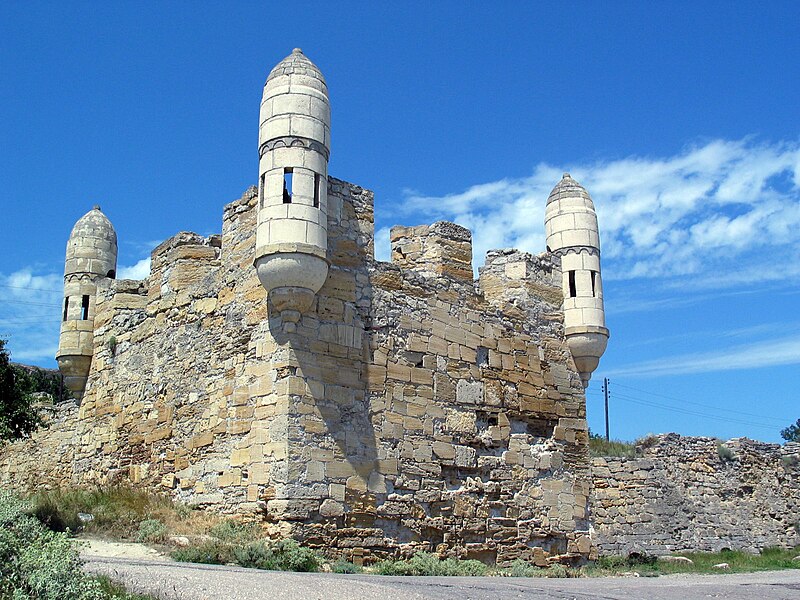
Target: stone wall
687 494
411 408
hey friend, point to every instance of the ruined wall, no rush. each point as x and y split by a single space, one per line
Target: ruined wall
685 494
412 408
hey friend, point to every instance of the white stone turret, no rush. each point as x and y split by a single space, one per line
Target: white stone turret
294 146
91 255
571 226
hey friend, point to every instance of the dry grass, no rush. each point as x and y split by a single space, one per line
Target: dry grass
117 512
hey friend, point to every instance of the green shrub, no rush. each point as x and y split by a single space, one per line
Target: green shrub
151 530
212 552
36 562
345 567
283 555
520 568
427 564
557 571
725 453
234 531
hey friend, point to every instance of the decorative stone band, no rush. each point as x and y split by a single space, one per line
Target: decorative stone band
576 329
289 247
577 250
83 276
293 141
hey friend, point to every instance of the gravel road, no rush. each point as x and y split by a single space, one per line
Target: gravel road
183 581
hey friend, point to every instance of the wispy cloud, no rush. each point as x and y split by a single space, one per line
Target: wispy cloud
719 214
767 353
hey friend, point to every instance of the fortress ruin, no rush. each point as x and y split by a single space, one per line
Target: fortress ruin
278 371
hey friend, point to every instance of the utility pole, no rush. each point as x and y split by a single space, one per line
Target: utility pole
605 391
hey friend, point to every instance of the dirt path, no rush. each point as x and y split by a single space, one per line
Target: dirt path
91 548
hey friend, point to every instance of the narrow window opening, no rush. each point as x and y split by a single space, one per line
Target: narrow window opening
85 308
594 283
572 292
287 185
66 307
316 190
111 274
261 190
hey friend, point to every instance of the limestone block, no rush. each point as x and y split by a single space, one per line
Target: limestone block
469 392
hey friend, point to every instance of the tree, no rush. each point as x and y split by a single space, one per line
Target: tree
18 417
792 432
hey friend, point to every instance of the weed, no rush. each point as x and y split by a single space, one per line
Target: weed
344 567
212 552
427 564
725 453
600 447
520 568
116 592
234 531
151 530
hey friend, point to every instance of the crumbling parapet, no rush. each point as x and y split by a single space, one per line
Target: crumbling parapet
441 249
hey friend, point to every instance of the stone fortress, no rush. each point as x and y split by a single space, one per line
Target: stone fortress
279 371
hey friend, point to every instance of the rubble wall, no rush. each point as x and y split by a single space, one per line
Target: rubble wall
696 494
412 408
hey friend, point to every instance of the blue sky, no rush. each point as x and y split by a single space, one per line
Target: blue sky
681 119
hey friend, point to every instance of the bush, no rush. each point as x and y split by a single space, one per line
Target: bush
36 562
725 453
210 553
151 530
233 531
557 571
284 555
345 567
520 568
427 564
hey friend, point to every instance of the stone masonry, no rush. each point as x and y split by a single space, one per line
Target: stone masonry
412 408
696 494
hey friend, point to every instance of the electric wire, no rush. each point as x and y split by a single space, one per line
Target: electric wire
689 412
708 406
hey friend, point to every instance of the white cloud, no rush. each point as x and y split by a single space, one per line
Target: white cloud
30 315
767 353
719 214
138 271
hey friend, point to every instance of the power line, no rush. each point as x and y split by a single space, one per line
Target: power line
29 303
689 412
716 408
35 289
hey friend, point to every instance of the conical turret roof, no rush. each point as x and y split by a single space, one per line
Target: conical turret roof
568 188
94 224
296 63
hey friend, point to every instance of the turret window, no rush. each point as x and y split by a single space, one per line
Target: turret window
66 308
572 290
261 190
317 182
594 283
85 308
287 185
